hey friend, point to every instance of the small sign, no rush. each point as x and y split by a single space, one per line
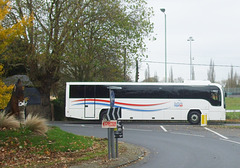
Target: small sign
23 103
112 98
109 124
114 113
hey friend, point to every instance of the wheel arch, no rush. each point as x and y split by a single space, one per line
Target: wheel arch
191 110
194 111
102 113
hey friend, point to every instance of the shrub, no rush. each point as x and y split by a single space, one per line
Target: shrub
59 109
36 124
8 122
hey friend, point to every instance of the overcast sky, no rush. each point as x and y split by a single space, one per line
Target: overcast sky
215 28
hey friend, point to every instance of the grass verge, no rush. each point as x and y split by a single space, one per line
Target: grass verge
23 148
232 103
233 116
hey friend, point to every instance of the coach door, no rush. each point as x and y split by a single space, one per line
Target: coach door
89 101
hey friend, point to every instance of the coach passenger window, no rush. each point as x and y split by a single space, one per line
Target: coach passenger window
215 97
89 91
102 91
76 91
166 92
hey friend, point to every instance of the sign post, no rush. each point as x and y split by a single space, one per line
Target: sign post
112 115
118 133
111 130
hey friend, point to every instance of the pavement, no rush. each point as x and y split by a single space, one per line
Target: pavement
131 154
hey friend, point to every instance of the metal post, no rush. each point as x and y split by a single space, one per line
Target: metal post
137 72
109 143
125 57
165 47
163 10
116 147
111 146
190 39
112 143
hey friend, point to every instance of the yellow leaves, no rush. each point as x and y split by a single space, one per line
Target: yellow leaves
5 91
1 70
8 34
4 9
5 94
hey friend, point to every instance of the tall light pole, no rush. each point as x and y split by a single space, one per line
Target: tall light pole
190 39
163 10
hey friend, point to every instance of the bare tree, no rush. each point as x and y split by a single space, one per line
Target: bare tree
171 75
193 73
211 72
179 80
232 81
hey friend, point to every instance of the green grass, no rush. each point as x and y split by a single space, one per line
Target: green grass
56 140
64 141
49 149
232 103
233 116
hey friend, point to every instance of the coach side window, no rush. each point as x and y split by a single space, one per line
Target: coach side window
89 91
102 91
76 91
215 97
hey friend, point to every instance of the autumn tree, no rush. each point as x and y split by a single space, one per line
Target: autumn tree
45 41
9 31
106 39
5 91
83 40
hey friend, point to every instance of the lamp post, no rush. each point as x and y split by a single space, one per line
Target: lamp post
190 39
163 10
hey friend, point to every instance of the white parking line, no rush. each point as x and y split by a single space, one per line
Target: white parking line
178 133
164 129
228 140
216 133
70 125
77 125
131 129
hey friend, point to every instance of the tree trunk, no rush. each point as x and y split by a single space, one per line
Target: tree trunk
45 102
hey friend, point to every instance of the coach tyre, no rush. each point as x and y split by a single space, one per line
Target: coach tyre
194 117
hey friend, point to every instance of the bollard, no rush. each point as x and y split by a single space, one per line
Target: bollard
203 119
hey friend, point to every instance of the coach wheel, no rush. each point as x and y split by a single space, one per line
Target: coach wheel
194 117
103 115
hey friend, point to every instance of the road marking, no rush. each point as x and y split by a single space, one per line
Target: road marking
228 140
164 129
178 133
131 129
216 133
77 125
70 125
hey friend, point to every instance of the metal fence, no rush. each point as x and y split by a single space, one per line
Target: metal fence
232 92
